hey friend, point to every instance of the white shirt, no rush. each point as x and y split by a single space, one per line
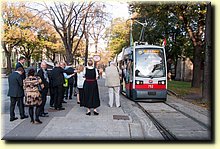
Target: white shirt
80 79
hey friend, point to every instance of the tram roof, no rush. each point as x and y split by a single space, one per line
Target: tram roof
147 46
128 50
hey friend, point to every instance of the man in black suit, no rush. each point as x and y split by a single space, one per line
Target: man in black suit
69 70
16 93
19 64
58 81
75 85
42 73
51 90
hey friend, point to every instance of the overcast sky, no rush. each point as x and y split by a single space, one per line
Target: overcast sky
118 9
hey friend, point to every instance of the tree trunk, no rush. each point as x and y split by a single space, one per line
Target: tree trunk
28 60
68 49
69 56
207 81
53 57
87 49
8 57
197 67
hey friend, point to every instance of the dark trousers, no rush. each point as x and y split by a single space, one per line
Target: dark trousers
37 113
58 96
81 97
44 100
19 101
51 96
65 93
69 87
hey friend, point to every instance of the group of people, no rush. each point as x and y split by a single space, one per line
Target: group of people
32 90
33 87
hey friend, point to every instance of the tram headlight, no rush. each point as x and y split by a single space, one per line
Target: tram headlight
139 82
162 82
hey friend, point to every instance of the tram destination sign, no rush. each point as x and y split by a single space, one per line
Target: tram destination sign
153 51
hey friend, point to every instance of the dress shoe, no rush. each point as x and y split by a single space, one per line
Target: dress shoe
88 113
38 122
23 117
64 102
13 119
44 115
78 102
51 107
61 108
96 113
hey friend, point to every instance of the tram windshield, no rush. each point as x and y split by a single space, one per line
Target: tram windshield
149 63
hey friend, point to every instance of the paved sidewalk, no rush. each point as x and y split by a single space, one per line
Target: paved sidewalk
74 124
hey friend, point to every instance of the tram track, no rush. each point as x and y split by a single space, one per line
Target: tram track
189 116
165 130
167 135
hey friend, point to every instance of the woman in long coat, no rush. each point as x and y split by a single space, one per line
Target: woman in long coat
33 95
91 91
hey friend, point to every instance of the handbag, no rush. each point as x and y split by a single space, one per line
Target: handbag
39 88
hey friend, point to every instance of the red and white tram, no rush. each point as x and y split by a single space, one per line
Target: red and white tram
144 72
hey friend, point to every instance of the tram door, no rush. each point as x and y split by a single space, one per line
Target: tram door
129 78
123 78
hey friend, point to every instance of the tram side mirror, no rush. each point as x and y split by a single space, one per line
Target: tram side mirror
137 72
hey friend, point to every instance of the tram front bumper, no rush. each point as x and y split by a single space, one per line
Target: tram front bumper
149 94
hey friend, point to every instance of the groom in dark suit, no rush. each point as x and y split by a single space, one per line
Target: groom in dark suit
16 93
19 64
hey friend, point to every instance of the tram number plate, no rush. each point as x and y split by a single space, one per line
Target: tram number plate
150 86
152 93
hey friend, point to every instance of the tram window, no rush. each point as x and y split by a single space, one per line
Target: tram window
150 63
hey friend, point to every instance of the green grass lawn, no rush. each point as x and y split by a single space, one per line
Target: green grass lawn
182 88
